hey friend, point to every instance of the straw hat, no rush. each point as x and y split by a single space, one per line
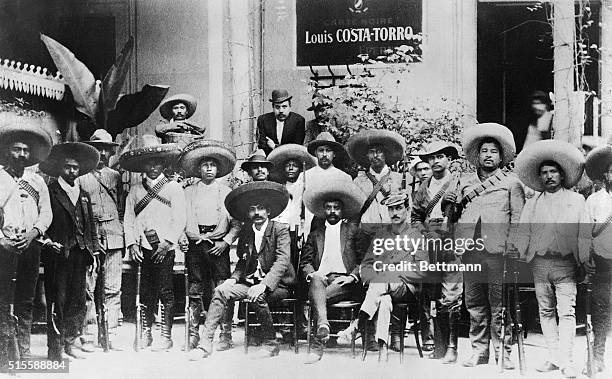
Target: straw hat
165 109
283 153
273 195
87 156
472 138
323 189
37 139
597 161
101 138
568 156
390 141
196 151
327 139
439 147
395 198
134 160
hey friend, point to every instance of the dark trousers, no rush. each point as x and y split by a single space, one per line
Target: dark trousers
157 284
206 271
483 299
66 297
602 283
322 292
22 296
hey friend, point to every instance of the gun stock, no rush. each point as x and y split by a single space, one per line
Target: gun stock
590 368
187 312
103 338
518 319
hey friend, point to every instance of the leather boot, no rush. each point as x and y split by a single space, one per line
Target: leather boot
225 336
195 308
453 337
167 319
147 334
441 335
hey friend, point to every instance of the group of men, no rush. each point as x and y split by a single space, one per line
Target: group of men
303 227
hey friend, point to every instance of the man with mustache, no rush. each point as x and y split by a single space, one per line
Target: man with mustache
447 288
154 221
74 226
210 230
377 150
332 253
263 273
548 240
489 203
25 215
257 166
103 185
176 110
280 126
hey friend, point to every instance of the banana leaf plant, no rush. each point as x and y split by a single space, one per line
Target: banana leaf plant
102 101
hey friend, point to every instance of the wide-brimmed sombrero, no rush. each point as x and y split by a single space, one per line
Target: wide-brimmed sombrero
320 190
101 138
37 139
390 141
134 160
472 138
196 151
165 109
438 146
597 161
326 138
87 156
283 153
565 154
270 194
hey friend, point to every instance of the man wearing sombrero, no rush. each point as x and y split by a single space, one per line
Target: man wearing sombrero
596 247
490 203
548 241
257 166
280 126
103 185
176 110
210 230
74 226
25 215
153 223
331 256
263 273
376 150
427 211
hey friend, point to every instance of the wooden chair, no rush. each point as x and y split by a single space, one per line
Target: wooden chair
353 309
287 307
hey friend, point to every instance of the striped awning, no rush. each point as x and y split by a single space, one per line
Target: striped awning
31 79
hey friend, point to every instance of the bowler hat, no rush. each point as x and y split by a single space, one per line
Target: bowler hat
280 95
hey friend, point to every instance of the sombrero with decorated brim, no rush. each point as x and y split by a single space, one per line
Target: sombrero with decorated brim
87 156
322 189
438 146
472 138
165 109
37 139
390 141
272 195
196 151
134 160
565 154
283 153
597 161
326 138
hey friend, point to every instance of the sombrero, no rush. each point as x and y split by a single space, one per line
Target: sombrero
283 153
439 147
196 151
597 161
101 138
392 142
563 153
273 195
37 139
324 189
87 156
135 159
395 198
326 138
472 138
165 109
257 158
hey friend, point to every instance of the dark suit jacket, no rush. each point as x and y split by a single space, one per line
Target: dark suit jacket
351 242
275 255
293 131
64 220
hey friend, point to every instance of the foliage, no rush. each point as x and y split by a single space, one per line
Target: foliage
20 108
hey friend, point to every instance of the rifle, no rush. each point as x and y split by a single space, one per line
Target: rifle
13 348
139 306
187 311
590 368
504 320
103 338
518 319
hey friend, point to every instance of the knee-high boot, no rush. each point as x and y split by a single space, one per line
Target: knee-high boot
441 335
167 319
195 309
453 338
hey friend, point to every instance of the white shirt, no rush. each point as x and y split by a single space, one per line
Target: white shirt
259 234
598 208
279 130
435 185
332 253
291 214
73 192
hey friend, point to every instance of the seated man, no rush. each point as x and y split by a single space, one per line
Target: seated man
384 287
263 273
331 255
